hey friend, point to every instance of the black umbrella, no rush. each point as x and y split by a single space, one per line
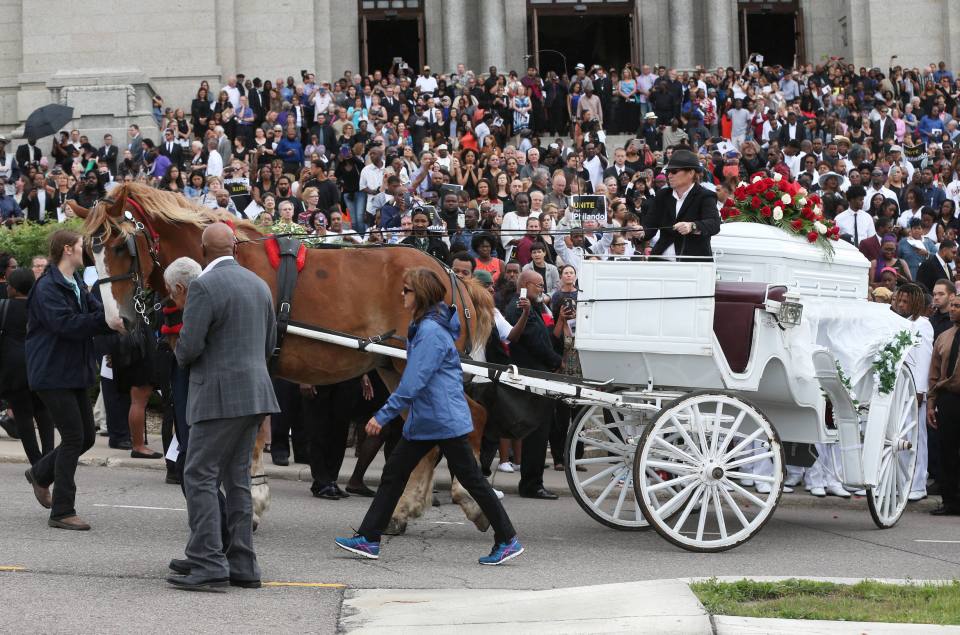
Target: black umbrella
47 120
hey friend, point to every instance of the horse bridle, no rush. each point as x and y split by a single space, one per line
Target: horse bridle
135 273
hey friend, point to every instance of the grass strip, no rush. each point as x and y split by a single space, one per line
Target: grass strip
866 601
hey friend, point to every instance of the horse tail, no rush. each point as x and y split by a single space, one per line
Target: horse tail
483 306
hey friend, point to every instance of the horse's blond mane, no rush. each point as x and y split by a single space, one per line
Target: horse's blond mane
161 206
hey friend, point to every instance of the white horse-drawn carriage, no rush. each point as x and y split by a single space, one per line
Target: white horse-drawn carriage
723 372
720 366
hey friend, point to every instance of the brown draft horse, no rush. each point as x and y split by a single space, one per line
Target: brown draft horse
353 290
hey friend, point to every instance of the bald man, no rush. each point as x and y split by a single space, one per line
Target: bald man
228 334
537 349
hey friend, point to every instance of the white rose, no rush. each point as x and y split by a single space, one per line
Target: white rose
777 176
820 227
777 213
786 199
816 209
802 202
756 178
803 191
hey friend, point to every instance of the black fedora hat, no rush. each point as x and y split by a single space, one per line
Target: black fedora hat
683 160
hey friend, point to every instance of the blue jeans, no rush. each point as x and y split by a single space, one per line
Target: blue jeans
357 203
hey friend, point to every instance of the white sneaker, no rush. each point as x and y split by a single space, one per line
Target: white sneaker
793 481
505 467
516 467
818 492
497 492
747 482
837 490
915 496
787 489
860 492
763 488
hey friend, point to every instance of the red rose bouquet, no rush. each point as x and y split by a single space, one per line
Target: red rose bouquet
778 202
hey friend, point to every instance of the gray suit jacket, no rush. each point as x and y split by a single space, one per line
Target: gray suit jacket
229 331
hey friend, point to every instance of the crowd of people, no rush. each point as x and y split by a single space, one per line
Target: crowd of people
478 169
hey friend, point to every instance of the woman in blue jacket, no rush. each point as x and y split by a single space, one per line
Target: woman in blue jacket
62 318
431 390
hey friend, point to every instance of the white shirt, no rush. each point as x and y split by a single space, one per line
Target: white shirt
512 222
883 189
214 263
679 198
214 164
427 84
41 203
371 178
594 168
862 221
792 162
907 216
233 94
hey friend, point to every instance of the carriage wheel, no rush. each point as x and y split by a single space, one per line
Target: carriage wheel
701 443
898 458
607 440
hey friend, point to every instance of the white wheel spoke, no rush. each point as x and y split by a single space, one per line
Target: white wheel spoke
701 431
672 482
733 506
674 503
619 449
599 475
745 493
718 510
606 491
673 468
745 442
717 427
751 477
598 459
679 427
734 429
750 459
688 508
620 499
674 450
610 435
704 507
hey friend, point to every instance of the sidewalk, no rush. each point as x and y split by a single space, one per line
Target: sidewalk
100 455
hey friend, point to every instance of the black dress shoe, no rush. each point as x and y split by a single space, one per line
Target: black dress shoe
943 510
196 583
120 445
172 479
363 490
181 566
280 459
245 584
9 426
329 492
542 493
143 455
340 492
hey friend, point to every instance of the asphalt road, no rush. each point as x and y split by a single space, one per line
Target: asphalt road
111 579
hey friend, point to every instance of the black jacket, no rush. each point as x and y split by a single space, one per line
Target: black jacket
435 247
536 349
13 361
699 207
110 154
941 322
32 207
25 156
930 271
175 154
60 331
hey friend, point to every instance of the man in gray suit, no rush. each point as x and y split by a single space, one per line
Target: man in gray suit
229 331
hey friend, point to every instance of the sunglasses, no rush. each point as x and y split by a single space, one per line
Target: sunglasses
407 290
675 170
620 244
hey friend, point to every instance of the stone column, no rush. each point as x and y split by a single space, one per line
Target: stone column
493 29
454 35
682 38
719 34
226 40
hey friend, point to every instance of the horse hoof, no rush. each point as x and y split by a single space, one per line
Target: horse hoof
396 527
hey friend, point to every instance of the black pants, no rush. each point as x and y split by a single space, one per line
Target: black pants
27 407
464 466
116 405
532 455
289 423
328 416
72 413
948 420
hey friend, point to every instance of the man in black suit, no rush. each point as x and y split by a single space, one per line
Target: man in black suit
39 202
938 266
255 99
171 149
792 130
108 152
28 153
618 166
687 208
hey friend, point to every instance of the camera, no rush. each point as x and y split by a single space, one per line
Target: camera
569 304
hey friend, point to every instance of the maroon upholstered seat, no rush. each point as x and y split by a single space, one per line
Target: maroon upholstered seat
733 315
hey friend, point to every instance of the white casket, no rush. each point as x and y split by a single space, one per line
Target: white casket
763 253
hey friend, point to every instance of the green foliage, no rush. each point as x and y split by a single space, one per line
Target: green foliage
866 601
27 240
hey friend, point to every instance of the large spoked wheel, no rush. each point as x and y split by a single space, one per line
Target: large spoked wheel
700 446
898 457
605 441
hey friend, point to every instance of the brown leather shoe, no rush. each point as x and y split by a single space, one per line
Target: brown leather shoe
42 493
69 522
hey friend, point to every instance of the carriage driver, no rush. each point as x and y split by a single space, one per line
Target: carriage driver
684 216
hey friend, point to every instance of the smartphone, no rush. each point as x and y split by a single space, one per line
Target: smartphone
523 293
461 220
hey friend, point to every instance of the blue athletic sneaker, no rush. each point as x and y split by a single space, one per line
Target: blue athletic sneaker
360 546
503 552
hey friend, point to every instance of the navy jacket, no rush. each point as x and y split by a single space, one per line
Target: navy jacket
60 332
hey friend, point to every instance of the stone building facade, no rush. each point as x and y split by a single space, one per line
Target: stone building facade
106 58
